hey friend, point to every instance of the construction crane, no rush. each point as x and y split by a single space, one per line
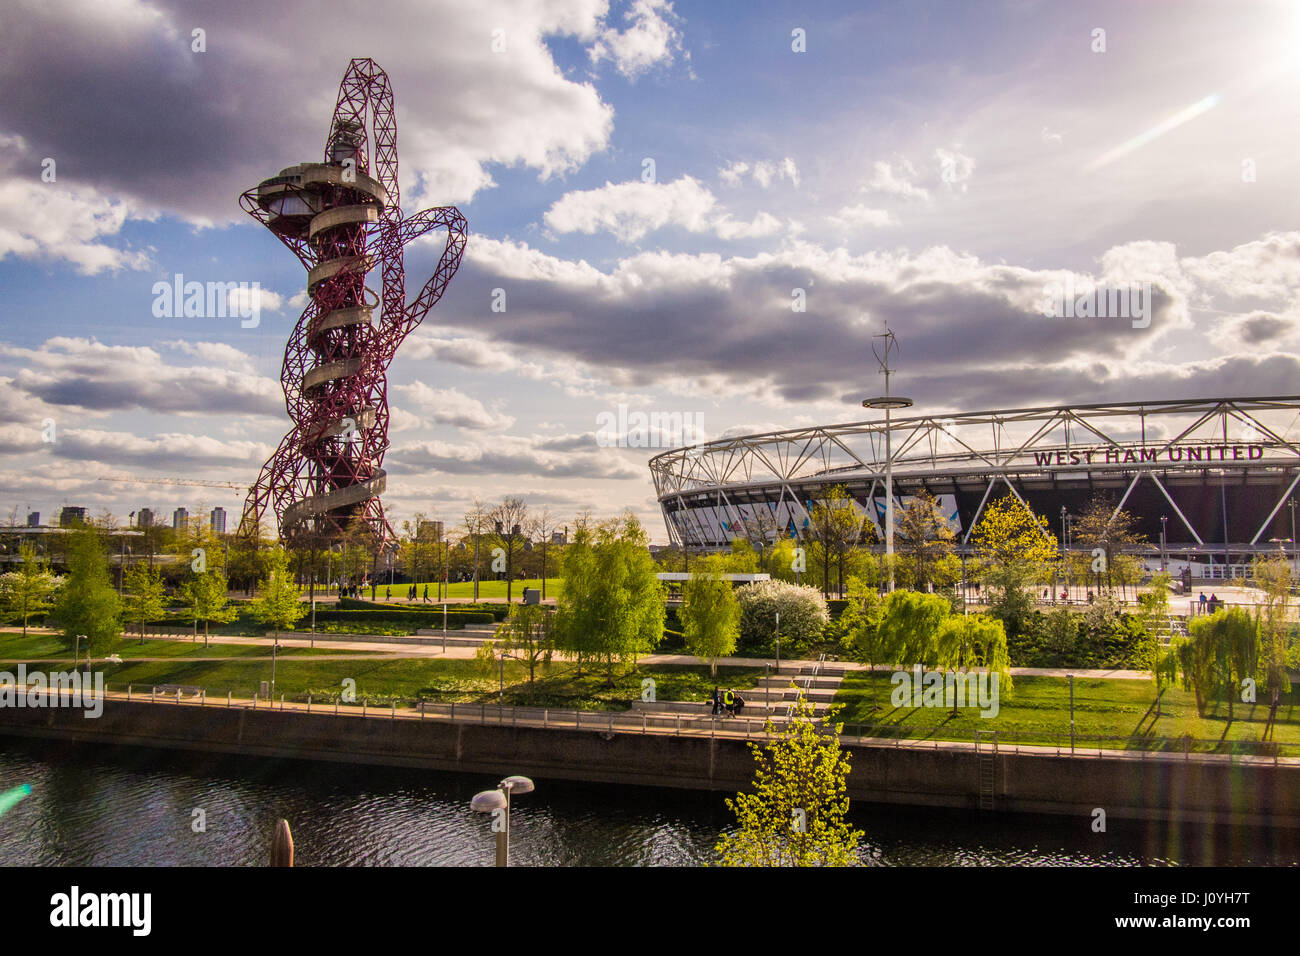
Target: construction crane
237 488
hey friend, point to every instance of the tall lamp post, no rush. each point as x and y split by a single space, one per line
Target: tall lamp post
1065 556
888 402
1291 503
497 803
1164 527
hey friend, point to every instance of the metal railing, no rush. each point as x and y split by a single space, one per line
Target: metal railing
745 728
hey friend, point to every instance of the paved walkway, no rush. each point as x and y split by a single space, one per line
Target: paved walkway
385 651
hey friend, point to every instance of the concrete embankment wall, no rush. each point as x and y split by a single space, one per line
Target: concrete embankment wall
1255 792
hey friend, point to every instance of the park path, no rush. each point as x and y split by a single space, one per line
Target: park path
386 651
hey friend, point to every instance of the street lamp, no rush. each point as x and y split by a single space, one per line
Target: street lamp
497 803
1291 504
778 642
1164 527
274 647
888 403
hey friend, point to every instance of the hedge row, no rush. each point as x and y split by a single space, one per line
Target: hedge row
499 612
420 618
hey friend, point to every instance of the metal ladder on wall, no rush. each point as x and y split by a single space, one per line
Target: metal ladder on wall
986 757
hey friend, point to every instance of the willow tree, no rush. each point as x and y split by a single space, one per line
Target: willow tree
795 815
1222 650
963 641
1273 576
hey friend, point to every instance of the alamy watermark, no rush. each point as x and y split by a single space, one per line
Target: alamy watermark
926 688
55 689
637 429
211 300
1088 301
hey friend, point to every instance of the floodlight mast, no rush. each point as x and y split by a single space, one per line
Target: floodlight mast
887 345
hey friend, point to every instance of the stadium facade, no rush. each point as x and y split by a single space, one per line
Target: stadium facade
1223 473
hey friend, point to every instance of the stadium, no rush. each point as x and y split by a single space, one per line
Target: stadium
1221 473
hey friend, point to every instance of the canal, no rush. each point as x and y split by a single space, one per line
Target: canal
135 807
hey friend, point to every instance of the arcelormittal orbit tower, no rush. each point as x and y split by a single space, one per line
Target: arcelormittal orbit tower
342 218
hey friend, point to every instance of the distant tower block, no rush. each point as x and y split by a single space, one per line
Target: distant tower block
343 220
218 520
180 519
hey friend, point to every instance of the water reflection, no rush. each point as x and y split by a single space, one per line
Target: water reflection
133 807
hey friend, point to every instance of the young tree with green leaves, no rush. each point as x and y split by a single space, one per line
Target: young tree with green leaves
28 590
924 539
205 595
612 607
528 635
1015 549
710 613
145 595
277 606
860 625
87 605
796 814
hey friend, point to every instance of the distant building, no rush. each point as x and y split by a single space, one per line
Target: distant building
558 537
69 517
218 520
180 519
33 519
429 529
144 518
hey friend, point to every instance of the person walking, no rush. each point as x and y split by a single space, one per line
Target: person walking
426 594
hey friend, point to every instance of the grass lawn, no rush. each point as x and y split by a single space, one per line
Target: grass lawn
464 590
1037 711
445 681
33 647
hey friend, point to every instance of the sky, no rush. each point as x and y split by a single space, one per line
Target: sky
698 208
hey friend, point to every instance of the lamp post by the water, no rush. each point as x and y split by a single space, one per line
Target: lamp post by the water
888 403
497 803
1071 676
275 646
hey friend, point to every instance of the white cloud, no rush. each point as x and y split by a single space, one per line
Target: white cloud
652 38
764 172
59 220
895 182
955 168
855 217
448 406
733 172
630 210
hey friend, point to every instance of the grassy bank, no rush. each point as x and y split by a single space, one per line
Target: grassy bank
35 647
406 681
1037 711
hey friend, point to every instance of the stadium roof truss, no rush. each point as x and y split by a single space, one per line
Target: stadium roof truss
1062 443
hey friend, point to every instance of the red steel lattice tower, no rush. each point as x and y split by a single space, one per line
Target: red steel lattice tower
342 218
